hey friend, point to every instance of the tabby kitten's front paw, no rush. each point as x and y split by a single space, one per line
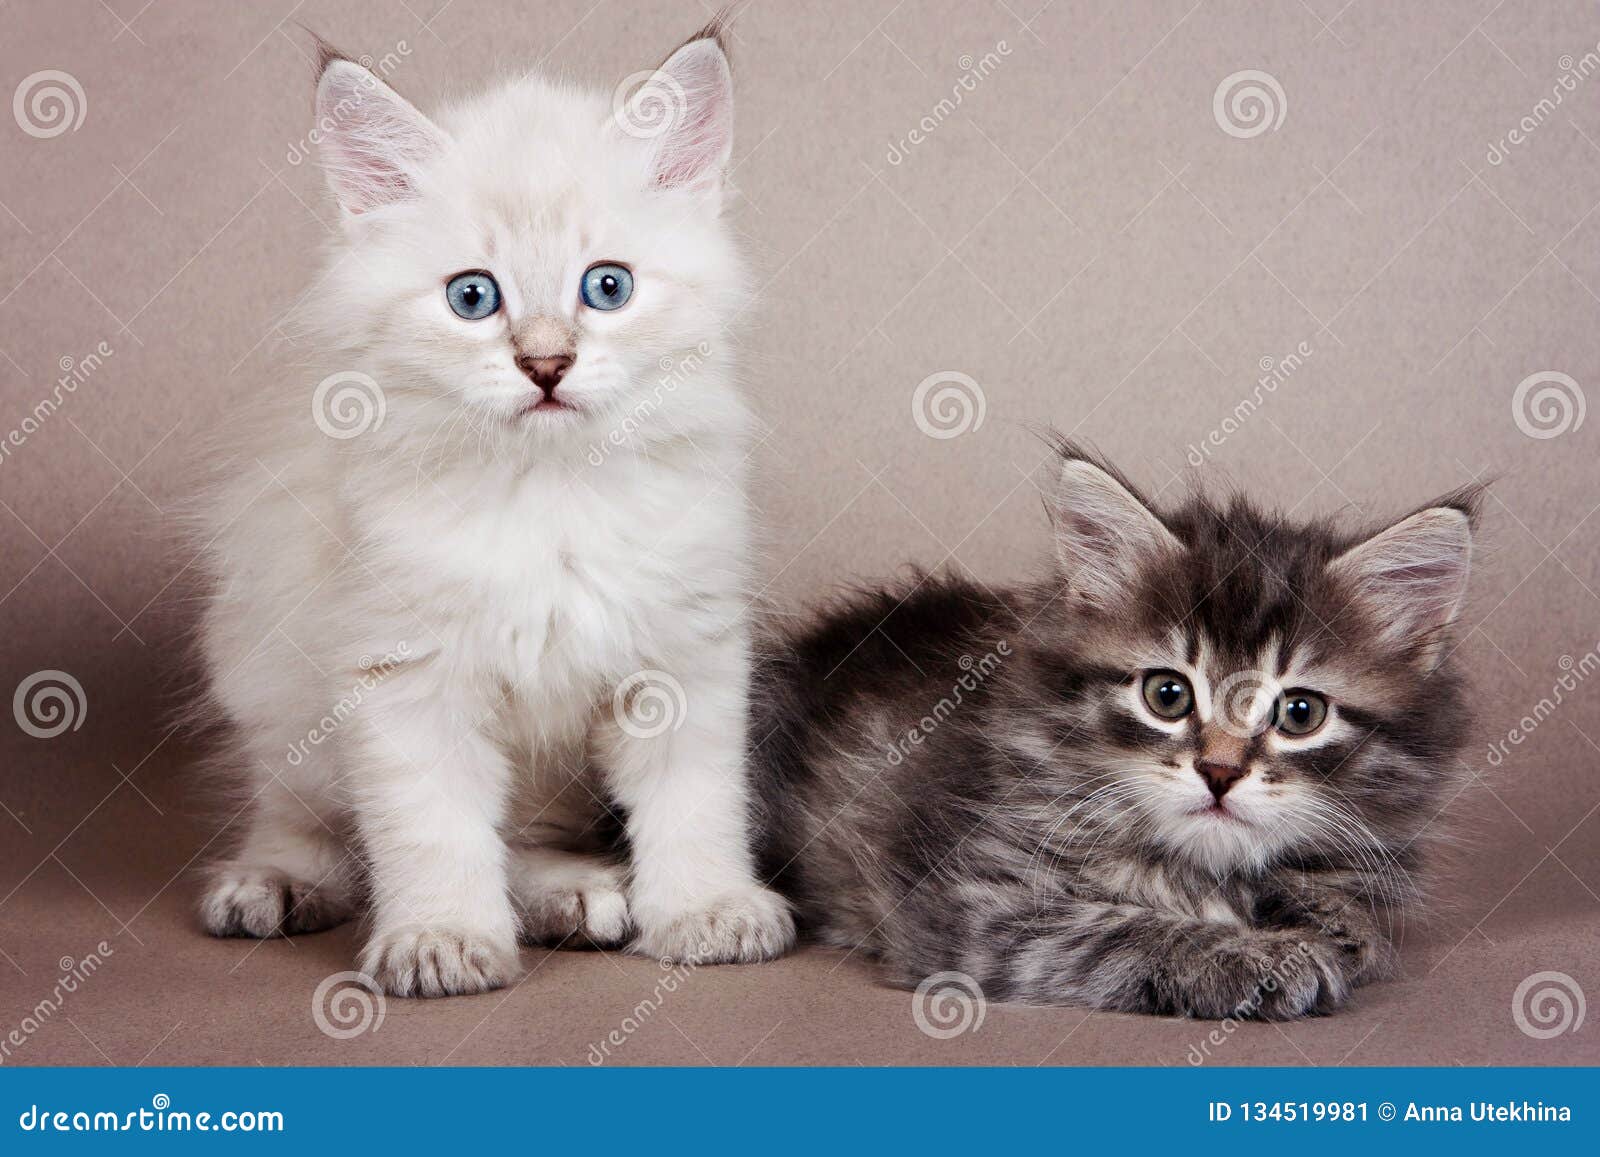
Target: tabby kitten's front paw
1278 977
737 928
438 962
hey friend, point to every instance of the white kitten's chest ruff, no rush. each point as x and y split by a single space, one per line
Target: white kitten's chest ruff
558 583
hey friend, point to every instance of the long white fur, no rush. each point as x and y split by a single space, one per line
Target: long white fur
510 569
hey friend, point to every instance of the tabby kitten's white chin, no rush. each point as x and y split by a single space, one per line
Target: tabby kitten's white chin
482 568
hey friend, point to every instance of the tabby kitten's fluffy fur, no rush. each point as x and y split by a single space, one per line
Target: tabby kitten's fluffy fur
432 639
1190 772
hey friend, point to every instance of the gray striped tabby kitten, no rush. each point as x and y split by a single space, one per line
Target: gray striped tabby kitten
1191 771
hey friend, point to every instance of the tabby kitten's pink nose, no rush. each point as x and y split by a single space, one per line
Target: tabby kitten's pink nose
1219 777
546 373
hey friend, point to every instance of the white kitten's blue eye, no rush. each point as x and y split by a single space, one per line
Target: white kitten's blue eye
607 286
473 296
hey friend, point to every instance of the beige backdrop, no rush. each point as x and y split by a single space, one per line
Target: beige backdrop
1058 200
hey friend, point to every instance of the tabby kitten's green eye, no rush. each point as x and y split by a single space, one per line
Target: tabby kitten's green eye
1301 712
1168 694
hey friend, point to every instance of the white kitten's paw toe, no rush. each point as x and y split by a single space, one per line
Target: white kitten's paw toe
260 902
438 962
738 928
593 913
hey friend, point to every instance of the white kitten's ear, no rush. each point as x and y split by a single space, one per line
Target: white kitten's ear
1105 533
1413 575
685 110
373 141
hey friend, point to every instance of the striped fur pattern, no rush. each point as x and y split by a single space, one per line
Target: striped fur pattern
957 778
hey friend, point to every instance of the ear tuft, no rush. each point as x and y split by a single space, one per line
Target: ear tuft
1413 576
684 109
716 29
374 143
326 53
1105 531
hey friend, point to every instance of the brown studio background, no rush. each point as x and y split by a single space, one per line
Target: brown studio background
1079 235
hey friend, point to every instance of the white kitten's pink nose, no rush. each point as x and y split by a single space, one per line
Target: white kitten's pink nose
546 373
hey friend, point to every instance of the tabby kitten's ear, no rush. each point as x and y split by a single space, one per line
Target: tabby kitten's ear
1412 577
1105 532
373 141
685 111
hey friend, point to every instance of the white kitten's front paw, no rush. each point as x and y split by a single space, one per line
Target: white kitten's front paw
569 898
439 962
249 901
736 928
594 912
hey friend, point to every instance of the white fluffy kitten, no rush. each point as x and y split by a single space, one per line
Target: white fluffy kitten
517 586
